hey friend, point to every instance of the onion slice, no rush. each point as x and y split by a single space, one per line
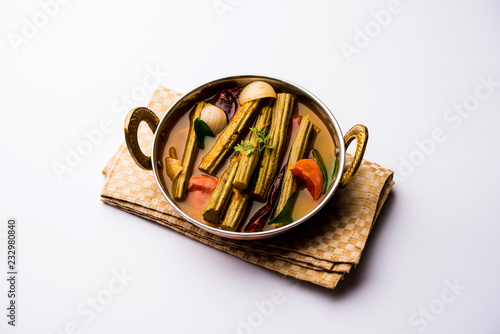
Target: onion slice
215 118
256 90
173 167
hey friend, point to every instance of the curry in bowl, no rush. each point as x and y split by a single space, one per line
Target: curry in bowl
248 162
247 157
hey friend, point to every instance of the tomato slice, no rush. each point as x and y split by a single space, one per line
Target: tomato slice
203 183
200 189
308 170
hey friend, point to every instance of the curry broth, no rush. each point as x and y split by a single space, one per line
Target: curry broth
323 142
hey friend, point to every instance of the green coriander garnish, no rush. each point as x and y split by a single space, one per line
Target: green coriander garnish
248 146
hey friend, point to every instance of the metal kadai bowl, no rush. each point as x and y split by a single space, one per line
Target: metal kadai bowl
162 128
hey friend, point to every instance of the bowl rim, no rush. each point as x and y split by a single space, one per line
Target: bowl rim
261 234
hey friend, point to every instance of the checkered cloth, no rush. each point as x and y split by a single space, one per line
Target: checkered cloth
321 250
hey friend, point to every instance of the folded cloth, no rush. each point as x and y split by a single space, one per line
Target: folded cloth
321 250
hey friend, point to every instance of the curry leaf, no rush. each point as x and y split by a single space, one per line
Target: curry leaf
285 216
332 177
202 130
322 168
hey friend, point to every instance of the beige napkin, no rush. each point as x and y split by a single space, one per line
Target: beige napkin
321 250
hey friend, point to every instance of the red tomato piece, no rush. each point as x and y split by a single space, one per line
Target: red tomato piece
308 170
203 183
200 189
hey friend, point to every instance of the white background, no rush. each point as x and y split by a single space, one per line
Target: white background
440 226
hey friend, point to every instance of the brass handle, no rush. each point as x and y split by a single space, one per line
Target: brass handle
360 133
132 121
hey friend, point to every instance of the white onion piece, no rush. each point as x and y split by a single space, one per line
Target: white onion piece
215 118
173 167
256 90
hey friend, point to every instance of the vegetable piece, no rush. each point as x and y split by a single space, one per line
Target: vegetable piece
256 90
271 157
172 152
299 147
204 183
235 211
258 220
215 118
217 204
256 145
227 100
200 189
285 216
228 137
296 122
327 179
309 171
250 158
322 168
180 184
332 177
173 167
202 130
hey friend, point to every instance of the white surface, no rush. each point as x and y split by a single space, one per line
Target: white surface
440 224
